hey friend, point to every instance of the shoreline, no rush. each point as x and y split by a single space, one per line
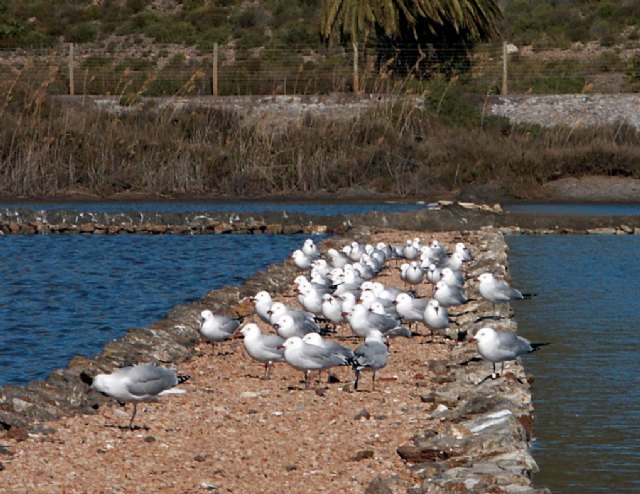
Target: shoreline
444 404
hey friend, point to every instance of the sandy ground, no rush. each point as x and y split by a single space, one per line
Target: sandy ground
233 432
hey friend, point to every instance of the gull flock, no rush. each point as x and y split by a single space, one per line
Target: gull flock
339 295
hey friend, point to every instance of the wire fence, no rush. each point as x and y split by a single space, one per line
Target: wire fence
169 70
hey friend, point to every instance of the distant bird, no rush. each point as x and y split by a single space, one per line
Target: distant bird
216 328
264 348
372 356
501 346
498 292
144 382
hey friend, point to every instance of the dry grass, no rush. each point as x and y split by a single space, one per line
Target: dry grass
47 149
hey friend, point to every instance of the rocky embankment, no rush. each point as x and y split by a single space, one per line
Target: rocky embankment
437 425
441 216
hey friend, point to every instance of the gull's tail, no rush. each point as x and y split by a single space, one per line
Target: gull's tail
527 296
182 379
536 346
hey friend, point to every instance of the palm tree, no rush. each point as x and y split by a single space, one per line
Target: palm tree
408 29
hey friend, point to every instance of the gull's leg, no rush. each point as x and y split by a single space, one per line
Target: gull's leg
373 381
133 415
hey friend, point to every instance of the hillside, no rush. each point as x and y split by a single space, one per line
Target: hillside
200 23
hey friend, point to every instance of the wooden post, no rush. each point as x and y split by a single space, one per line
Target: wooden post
214 74
71 84
505 56
356 80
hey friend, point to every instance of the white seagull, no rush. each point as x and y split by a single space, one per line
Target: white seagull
373 355
144 382
498 292
262 347
501 346
216 328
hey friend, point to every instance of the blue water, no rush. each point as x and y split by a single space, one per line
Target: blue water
587 382
315 209
66 295
631 209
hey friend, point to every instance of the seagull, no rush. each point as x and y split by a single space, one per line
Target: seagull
452 277
498 292
310 249
263 302
330 345
262 347
373 355
412 273
303 320
434 273
436 316
501 346
144 382
287 327
332 309
464 251
300 259
409 308
217 328
308 357
449 296
362 321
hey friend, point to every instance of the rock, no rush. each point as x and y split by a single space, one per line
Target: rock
378 486
362 414
248 395
362 455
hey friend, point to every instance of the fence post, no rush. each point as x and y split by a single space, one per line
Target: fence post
356 81
71 84
214 73
505 56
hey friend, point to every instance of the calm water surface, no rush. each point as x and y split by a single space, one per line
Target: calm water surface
587 382
66 295
632 209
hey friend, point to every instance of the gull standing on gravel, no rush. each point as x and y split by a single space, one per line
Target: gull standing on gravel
372 356
263 302
434 274
216 328
307 357
501 346
436 316
303 320
287 327
410 309
137 383
412 273
332 309
362 321
449 296
452 278
337 259
498 292
264 348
